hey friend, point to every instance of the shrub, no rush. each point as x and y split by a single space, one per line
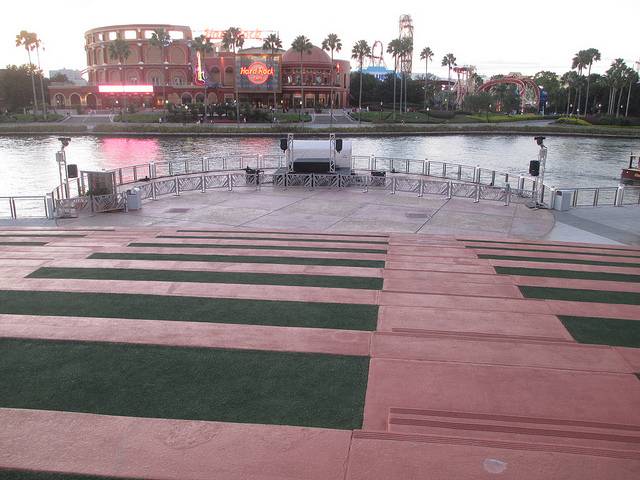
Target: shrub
572 121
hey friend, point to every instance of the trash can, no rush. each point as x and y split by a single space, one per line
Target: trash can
134 199
562 202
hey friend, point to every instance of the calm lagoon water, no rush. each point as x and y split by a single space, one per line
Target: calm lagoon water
28 167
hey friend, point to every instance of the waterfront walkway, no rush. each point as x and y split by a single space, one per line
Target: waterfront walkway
204 352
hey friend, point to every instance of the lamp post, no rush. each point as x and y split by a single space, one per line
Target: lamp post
381 110
427 114
61 158
488 113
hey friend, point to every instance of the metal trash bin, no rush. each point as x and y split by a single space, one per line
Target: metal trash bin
134 199
562 201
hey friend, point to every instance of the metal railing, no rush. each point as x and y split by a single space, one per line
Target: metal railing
15 207
622 195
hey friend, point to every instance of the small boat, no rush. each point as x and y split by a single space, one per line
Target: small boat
632 173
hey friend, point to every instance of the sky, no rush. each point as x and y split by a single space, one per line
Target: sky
495 36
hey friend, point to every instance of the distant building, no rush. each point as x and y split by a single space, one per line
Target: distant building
151 76
379 72
74 76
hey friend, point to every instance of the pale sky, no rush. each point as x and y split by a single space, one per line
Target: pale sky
497 36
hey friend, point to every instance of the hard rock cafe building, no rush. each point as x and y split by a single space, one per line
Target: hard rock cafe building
179 75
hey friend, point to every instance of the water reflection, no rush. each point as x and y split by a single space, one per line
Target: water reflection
28 163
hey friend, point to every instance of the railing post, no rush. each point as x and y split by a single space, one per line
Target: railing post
552 202
507 195
619 196
449 188
459 172
476 174
135 173
424 167
393 184
170 169
574 198
12 208
596 195
444 169
224 163
493 177
406 166
119 177
177 184
186 166
202 164
229 182
421 190
428 168
520 183
477 196
150 167
203 186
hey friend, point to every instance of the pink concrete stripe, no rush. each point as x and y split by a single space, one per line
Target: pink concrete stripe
16 272
592 309
559 248
248 252
45 249
564 256
464 322
428 251
564 266
564 395
444 287
168 449
446 276
268 243
576 283
631 356
426 261
279 231
219 267
186 334
370 454
392 266
558 355
463 302
281 236
206 290
21 262
532 243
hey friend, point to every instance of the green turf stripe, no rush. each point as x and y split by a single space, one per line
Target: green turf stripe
597 254
31 475
281 239
558 260
186 257
249 278
280 232
246 386
579 295
256 247
25 244
50 235
604 247
603 331
551 273
190 309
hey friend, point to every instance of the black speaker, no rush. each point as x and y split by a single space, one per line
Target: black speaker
284 144
338 145
534 168
72 170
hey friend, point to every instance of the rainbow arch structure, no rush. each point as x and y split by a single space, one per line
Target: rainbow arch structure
527 89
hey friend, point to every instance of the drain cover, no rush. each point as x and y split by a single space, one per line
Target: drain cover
177 210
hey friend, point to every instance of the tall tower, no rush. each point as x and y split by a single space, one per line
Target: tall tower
405 27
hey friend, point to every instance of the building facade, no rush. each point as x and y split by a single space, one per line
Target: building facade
152 76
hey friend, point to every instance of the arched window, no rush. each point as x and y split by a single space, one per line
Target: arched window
214 75
186 98
59 100
75 99
228 76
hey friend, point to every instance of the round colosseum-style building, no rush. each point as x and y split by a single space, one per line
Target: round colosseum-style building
148 74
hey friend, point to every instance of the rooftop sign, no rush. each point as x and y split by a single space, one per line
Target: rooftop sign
256 34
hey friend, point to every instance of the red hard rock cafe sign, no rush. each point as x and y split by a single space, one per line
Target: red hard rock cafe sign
257 73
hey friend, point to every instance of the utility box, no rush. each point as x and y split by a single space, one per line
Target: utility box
134 199
562 200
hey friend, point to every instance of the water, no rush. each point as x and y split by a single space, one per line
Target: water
28 164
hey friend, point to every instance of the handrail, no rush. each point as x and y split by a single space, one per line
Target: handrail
38 209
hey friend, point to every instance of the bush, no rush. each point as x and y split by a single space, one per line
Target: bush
613 120
572 121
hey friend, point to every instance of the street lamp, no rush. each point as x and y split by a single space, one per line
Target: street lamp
488 113
427 114
381 110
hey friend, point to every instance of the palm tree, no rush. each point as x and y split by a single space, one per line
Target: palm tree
162 40
449 60
26 39
119 50
394 48
37 43
617 79
591 55
579 63
333 44
359 52
273 43
406 51
632 77
302 45
427 55
202 45
570 80
233 38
